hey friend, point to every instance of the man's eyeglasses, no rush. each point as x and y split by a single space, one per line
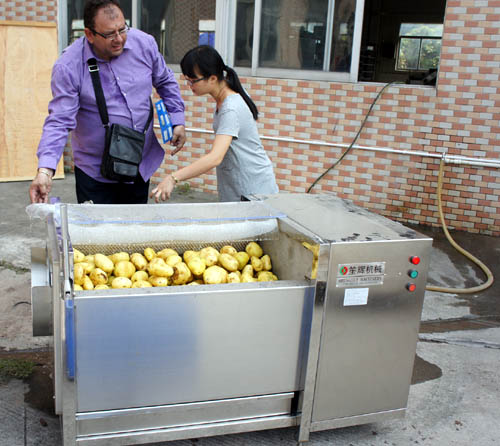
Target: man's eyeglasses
193 81
112 36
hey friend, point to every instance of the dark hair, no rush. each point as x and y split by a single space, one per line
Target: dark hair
208 62
92 6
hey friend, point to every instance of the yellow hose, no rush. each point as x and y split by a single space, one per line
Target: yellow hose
462 251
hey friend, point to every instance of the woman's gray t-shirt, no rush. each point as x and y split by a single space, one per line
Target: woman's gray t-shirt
246 168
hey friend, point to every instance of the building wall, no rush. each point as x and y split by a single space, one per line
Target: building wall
25 10
460 116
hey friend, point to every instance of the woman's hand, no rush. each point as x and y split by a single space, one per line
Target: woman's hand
163 191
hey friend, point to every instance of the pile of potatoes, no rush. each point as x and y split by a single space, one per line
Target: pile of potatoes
168 267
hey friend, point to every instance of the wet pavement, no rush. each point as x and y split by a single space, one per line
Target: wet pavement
455 393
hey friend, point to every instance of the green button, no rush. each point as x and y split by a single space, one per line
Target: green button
413 274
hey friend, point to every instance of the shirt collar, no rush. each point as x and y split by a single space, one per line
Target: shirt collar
88 51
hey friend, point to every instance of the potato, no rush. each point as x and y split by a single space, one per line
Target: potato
248 270
167 252
210 255
78 255
124 268
242 258
254 249
119 256
141 284
182 274
173 260
194 282
77 287
228 262
214 275
197 265
150 254
266 263
104 262
98 277
256 263
101 287
90 258
121 282
158 267
228 249
265 276
110 279
233 277
139 261
139 275
189 254
245 278
78 273
87 283
88 266
159 281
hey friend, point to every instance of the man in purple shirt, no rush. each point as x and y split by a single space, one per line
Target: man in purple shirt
129 66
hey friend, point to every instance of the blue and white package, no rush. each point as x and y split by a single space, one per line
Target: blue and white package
164 119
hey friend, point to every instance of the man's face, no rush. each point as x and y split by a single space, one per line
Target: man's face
109 21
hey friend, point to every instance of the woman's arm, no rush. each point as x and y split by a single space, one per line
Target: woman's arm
207 162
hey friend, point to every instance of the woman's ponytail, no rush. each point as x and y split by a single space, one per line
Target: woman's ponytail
234 83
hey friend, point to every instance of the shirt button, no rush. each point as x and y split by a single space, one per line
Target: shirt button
124 94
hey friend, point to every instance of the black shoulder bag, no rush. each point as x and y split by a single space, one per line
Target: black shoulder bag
123 145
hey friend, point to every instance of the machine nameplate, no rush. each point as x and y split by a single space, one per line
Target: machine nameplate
355 274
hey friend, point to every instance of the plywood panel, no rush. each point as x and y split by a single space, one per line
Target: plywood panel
27 51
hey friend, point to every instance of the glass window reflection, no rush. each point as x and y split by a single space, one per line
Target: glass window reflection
293 34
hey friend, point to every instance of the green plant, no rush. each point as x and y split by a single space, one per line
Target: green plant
16 368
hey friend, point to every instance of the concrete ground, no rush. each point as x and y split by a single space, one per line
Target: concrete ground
454 398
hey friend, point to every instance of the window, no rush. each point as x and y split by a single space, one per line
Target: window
313 35
419 46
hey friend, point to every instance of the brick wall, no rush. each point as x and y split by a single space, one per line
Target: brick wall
459 117
25 10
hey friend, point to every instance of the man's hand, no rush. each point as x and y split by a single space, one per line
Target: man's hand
41 186
178 139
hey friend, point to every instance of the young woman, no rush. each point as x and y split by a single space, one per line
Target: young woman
243 166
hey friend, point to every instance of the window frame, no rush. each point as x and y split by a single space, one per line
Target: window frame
420 38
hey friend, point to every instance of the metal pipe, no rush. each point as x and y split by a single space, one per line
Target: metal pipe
455 159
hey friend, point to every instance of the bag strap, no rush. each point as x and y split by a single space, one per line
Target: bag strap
99 95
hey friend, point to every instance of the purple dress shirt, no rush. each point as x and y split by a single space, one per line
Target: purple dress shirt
127 82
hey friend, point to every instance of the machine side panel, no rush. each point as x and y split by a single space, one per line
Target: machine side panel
146 350
370 328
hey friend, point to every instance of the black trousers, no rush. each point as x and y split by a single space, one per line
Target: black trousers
110 193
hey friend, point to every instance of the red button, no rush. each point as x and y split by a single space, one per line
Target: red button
415 260
411 287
